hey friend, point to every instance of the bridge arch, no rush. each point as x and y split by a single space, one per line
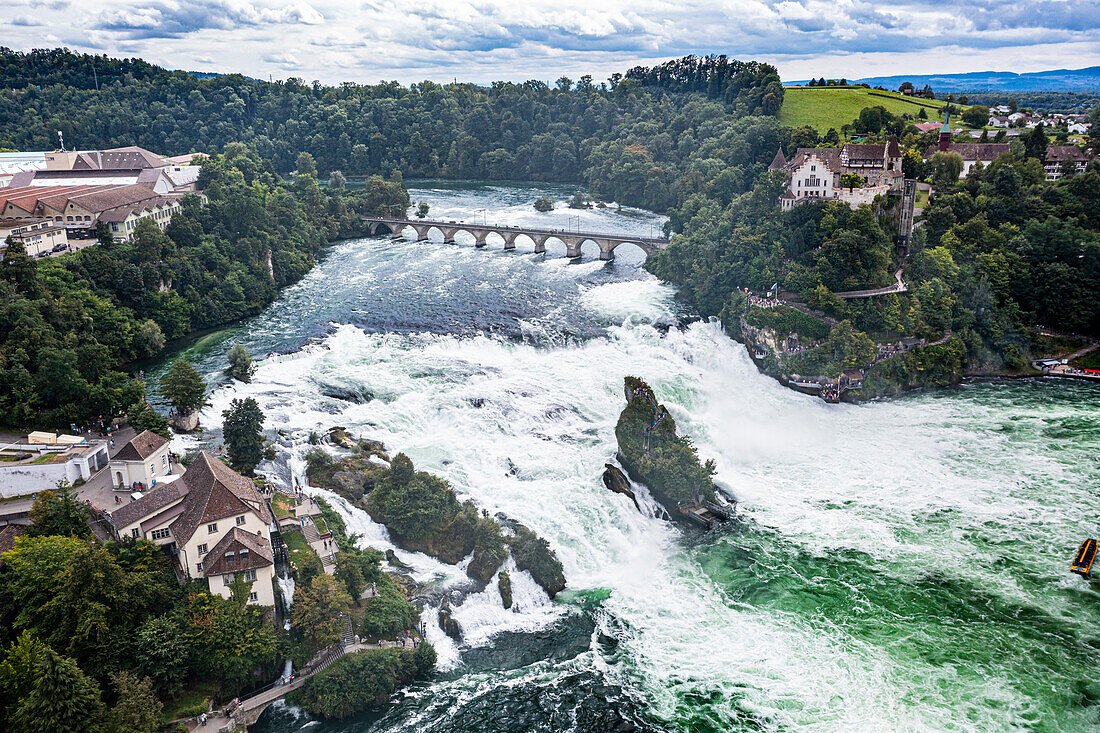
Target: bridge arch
607 249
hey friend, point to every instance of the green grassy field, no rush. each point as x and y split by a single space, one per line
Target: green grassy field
825 107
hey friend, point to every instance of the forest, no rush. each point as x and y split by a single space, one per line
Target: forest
68 324
628 139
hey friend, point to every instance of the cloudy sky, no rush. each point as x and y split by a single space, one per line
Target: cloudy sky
484 40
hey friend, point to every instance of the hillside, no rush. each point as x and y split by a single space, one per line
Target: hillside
1058 80
825 107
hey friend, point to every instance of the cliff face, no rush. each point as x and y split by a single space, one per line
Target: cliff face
671 467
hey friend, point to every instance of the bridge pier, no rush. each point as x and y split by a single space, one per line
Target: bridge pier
421 233
479 237
607 249
540 243
449 235
509 240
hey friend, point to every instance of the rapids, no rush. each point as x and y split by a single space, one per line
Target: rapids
900 565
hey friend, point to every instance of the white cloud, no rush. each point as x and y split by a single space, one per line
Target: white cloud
483 40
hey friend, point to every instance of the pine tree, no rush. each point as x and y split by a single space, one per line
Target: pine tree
63 699
242 424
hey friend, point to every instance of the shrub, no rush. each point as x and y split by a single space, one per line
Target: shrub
388 614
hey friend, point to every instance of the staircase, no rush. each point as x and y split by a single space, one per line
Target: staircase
348 637
309 531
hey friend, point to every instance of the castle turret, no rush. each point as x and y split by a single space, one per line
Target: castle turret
945 131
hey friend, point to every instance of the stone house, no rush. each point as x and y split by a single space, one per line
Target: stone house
215 523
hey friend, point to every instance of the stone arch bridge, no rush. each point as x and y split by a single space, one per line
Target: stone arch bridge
480 232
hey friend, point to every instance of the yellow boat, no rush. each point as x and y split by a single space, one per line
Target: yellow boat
1082 561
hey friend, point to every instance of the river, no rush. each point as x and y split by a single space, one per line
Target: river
899 565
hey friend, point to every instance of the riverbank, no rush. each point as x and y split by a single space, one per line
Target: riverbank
787 341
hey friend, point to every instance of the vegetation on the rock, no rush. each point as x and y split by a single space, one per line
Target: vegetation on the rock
504 585
671 469
423 514
240 363
361 681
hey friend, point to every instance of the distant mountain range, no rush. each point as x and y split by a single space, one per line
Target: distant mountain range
1058 80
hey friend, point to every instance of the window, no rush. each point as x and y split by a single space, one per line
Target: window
135 532
152 468
253 597
813 167
249 574
212 528
243 555
160 534
164 460
228 577
202 549
240 520
198 567
230 557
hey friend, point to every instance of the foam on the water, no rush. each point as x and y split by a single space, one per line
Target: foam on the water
806 617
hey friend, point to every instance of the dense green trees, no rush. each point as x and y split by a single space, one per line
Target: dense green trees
529 131
358 682
67 323
319 610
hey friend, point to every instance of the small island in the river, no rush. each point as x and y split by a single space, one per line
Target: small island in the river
668 464
423 514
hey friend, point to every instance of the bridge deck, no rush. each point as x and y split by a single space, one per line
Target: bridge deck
470 226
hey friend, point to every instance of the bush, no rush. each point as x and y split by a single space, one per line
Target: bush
317 459
784 320
489 550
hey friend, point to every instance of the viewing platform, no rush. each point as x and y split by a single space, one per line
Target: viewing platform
572 240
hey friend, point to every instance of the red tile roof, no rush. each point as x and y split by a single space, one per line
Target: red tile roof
141 446
226 556
215 492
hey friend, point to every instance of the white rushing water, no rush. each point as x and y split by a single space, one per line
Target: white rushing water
909 491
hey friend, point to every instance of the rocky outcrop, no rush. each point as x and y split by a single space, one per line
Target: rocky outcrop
422 514
447 623
392 559
653 454
616 480
504 585
185 422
